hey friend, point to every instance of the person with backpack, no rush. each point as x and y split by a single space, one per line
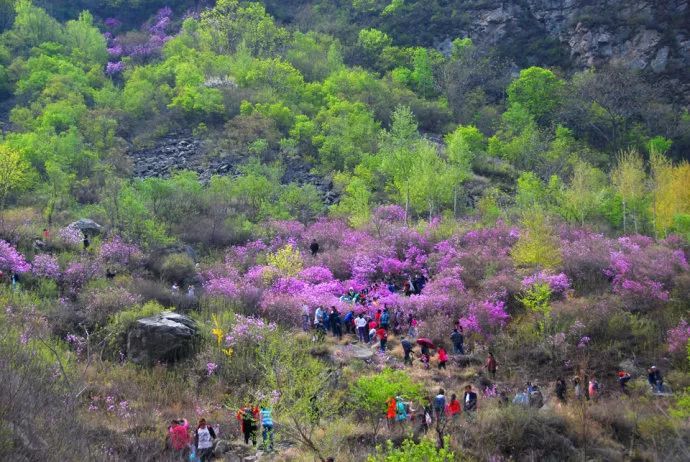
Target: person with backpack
442 358
248 418
203 441
407 349
491 365
458 341
440 404
178 434
401 410
266 428
536 399
348 321
385 319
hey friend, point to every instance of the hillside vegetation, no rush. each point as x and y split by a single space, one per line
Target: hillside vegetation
245 163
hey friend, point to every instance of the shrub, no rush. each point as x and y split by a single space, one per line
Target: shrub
178 268
410 451
101 303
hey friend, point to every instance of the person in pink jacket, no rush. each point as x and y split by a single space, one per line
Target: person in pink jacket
442 358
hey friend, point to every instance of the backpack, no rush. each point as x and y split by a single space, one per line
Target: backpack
248 417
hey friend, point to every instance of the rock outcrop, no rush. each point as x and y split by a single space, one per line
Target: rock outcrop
166 337
653 36
181 151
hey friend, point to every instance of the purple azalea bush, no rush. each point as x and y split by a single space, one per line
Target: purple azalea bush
11 260
46 266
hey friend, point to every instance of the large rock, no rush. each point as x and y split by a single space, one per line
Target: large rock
87 226
166 337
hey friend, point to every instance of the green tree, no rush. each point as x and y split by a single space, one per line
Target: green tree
370 394
537 89
584 194
422 73
538 246
628 178
14 173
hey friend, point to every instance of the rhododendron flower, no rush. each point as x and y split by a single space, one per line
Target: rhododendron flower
558 283
678 337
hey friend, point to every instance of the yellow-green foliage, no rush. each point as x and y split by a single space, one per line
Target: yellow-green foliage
287 261
537 246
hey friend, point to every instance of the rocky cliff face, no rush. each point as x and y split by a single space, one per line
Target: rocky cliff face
646 35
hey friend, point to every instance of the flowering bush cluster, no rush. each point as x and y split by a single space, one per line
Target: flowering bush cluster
119 252
46 266
70 236
558 283
678 337
11 260
248 329
468 275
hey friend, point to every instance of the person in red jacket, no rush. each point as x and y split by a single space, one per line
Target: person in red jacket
442 358
453 407
383 338
179 438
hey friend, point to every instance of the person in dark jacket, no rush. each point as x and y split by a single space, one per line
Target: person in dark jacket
458 341
314 247
469 400
656 381
336 323
491 365
407 349
561 389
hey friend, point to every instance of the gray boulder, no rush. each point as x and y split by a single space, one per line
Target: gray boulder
87 226
166 337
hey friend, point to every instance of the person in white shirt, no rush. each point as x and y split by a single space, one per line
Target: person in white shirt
361 325
203 441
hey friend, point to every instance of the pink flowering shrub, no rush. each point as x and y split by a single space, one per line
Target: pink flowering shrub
558 283
45 266
78 273
248 329
585 257
677 337
119 252
70 236
11 260
485 318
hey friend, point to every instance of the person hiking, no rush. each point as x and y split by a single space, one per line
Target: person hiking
458 341
426 355
86 242
623 379
593 388
469 400
407 349
336 323
203 441
318 317
585 387
578 388
425 416
453 408
305 317
491 365
656 381
442 358
440 404
536 399
266 428
390 411
361 325
178 433
383 338
561 389
248 418
401 409
377 318
348 322
385 318
314 247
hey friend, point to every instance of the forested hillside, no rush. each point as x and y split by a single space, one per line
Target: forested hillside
516 169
